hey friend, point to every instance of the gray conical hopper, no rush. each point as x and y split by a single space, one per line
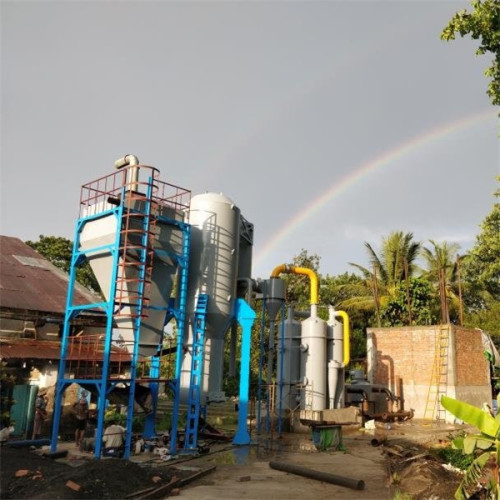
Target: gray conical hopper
103 231
274 294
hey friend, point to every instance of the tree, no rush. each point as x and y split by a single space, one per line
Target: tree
481 272
58 251
441 271
485 447
412 304
396 263
482 265
483 24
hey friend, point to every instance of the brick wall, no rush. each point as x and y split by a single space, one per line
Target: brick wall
471 367
408 352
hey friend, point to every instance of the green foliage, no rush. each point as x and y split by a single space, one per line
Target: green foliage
112 415
455 457
486 445
58 251
396 313
483 24
298 286
481 267
7 382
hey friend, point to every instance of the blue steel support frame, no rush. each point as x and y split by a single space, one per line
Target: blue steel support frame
103 385
71 312
138 318
154 372
196 376
245 316
180 314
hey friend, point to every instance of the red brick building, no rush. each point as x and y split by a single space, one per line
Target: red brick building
409 354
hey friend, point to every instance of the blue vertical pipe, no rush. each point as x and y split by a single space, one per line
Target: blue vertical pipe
245 316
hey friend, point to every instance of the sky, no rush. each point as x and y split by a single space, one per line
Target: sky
328 123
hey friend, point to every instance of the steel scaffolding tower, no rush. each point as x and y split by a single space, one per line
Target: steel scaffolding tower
135 210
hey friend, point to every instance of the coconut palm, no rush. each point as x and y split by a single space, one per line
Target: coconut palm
441 271
395 263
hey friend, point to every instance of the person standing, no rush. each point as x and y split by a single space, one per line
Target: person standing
40 413
81 409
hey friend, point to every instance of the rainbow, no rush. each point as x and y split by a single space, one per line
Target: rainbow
383 160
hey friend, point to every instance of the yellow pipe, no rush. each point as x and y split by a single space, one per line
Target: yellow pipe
285 268
347 347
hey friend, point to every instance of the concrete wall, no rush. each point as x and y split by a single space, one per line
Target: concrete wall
409 352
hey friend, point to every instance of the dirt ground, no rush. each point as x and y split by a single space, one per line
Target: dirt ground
401 461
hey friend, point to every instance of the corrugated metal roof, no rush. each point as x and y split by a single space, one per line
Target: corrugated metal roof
30 282
50 349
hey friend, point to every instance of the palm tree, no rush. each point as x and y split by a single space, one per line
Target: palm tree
395 263
441 271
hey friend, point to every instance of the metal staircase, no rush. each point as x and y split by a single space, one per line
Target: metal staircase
194 395
439 378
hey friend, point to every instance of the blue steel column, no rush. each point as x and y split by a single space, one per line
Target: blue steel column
181 326
154 373
103 383
138 318
245 316
64 343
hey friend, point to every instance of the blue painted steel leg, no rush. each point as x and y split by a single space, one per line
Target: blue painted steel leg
194 397
103 383
154 372
64 344
181 327
245 316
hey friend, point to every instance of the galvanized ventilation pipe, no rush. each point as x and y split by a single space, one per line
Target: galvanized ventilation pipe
132 162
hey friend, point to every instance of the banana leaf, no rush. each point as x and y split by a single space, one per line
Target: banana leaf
472 415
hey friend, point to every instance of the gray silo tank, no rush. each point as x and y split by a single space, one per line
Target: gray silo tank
313 364
213 268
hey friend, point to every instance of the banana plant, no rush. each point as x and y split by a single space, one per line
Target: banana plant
486 445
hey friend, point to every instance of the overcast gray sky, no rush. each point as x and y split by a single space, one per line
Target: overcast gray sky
328 123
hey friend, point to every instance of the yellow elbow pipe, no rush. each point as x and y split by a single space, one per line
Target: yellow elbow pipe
347 346
284 268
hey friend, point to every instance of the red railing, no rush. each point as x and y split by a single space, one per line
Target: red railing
103 193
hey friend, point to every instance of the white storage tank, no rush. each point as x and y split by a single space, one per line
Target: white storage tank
335 357
313 364
213 269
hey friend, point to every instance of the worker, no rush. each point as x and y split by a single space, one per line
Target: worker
114 439
40 413
81 410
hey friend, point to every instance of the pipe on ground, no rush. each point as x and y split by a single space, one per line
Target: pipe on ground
355 484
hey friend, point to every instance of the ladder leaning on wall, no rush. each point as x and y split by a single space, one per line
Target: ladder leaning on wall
439 378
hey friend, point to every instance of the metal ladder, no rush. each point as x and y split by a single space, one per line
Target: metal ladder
439 378
132 296
194 395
